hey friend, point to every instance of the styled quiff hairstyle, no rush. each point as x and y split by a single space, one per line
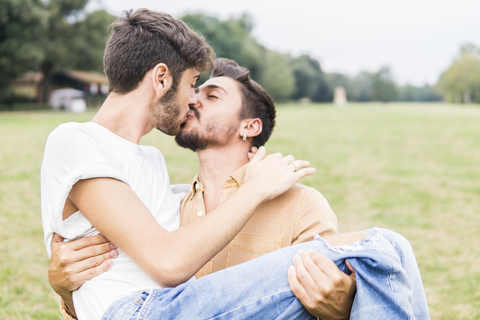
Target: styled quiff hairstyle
256 103
145 38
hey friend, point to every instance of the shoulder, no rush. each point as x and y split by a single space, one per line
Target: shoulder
70 133
315 205
152 151
68 128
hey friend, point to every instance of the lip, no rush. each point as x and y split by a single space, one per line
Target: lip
190 115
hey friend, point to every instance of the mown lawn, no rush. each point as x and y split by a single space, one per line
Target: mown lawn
413 168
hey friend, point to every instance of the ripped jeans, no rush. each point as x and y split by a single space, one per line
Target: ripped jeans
389 286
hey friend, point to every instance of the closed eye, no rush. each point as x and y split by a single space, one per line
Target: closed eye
211 96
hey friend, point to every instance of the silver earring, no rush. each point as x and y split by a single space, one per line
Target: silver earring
244 138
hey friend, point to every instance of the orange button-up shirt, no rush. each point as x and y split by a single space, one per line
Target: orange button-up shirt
291 218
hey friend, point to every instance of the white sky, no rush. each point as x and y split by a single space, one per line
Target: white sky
418 39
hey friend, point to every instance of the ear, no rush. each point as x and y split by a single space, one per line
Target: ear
251 127
161 79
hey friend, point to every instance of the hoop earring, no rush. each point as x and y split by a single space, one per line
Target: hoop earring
244 138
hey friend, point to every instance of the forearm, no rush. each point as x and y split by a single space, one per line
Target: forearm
192 246
169 258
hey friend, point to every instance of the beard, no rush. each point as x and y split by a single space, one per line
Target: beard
213 135
166 112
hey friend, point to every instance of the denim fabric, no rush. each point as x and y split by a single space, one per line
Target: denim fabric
258 289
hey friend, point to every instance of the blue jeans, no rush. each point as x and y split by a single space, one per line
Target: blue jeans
389 286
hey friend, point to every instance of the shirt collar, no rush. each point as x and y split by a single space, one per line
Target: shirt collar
236 179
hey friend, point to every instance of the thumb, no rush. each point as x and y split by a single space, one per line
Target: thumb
57 238
259 155
349 266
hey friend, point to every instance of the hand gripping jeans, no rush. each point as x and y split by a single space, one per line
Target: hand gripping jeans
389 286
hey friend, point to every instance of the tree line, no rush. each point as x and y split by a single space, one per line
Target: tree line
48 36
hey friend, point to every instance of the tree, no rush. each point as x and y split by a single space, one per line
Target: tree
412 93
461 81
277 78
230 39
72 38
383 86
22 23
91 35
310 81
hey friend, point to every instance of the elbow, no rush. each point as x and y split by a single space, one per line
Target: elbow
172 275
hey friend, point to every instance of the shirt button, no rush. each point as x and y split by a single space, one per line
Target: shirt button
197 186
199 213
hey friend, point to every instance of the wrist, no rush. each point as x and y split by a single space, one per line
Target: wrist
256 194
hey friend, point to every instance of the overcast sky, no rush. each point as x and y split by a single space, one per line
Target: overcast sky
417 39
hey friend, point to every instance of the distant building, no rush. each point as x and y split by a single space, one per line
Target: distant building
339 96
90 83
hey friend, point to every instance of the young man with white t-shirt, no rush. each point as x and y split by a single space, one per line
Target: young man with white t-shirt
96 178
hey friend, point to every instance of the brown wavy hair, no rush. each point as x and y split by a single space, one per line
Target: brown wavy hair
142 39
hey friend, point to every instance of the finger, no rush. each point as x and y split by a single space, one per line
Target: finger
87 242
315 272
301 164
93 251
349 266
288 159
250 156
259 156
295 285
93 262
253 149
304 277
276 155
328 267
57 238
91 273
303 173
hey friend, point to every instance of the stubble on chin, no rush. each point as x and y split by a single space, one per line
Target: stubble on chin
211 137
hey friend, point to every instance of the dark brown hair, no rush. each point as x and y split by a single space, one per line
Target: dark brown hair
256 103
145 38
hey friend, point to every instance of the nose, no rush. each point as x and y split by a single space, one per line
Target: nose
192 101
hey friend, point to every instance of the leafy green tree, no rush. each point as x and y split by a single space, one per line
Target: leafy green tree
277 78
461 81
413 93
72 38
362 87
383 87
22 24
310 81
91 35
231 39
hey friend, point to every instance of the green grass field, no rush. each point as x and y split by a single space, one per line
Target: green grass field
413 168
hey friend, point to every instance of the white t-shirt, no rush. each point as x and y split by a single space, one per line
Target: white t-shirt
76 151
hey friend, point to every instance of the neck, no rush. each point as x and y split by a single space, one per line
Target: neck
216 165
126 115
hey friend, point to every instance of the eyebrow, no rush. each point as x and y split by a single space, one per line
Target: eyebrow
212 87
